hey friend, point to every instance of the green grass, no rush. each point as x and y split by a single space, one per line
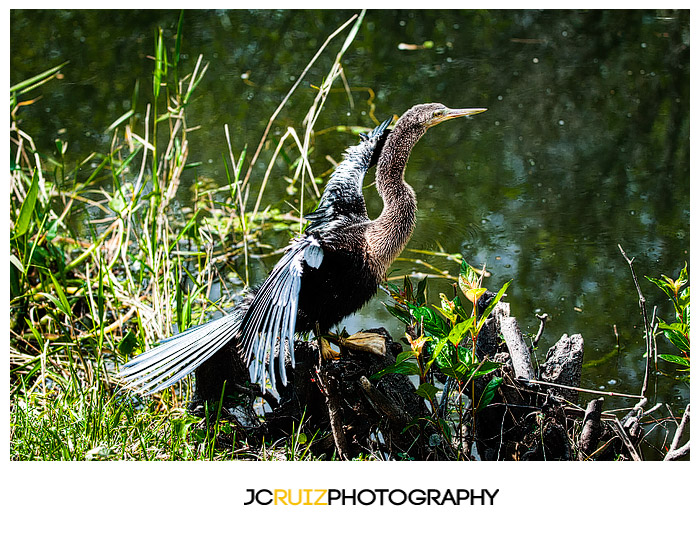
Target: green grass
81 304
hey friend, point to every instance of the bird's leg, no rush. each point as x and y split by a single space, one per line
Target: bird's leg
324 347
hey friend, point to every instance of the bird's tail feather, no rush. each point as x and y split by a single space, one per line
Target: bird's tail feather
175 357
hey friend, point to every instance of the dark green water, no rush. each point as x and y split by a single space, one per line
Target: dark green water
585 144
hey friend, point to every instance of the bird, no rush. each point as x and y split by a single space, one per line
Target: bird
325 274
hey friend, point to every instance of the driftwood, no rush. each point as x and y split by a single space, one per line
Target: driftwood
534 414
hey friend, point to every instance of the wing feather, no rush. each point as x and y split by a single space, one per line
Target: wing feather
268 326
179 355
265 330
342 196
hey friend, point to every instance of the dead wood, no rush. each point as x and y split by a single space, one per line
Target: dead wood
592 429
534 413
563 366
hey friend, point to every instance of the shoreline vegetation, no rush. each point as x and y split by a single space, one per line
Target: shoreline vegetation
84 300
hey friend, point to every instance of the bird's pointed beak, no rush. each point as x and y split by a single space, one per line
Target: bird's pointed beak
451 113
461 112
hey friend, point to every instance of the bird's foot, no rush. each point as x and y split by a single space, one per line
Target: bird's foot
327 353
371 343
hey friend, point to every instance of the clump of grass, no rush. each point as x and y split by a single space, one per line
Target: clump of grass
81 305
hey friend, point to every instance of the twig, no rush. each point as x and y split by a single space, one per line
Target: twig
674 452
647 329
581 389
652 410
678 453
626 440
543 320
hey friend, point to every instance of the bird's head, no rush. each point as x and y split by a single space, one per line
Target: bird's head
429 115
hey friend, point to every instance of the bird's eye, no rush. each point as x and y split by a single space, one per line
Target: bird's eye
437 113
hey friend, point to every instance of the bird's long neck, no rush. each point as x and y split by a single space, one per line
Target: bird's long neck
390 232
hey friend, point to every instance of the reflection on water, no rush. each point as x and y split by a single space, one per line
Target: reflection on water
585 144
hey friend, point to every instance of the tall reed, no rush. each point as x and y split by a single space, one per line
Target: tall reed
87 292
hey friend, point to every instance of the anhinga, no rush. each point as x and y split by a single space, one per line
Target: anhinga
327 273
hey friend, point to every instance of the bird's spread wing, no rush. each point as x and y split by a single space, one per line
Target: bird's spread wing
269 324
175 357
343 193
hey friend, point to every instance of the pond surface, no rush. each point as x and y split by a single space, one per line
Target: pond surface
585 144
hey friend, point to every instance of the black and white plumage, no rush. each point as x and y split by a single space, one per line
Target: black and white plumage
326 274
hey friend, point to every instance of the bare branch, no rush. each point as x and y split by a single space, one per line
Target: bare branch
674 452
647 327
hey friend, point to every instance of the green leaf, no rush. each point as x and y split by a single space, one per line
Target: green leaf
27 209
447 308
459 331
402 366
684 299
421 296
427 391
679 340
677 359
432 323
128 343
351 36
438 349
493 304
679 327
446 430
488 393
487 367
684 274
121 119
181 425
36 80
663 285
466 356
399 312
449 363
407 368
408 288
65 307
160 68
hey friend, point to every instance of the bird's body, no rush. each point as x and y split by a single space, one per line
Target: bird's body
326 274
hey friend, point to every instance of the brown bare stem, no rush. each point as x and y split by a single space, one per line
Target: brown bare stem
647 328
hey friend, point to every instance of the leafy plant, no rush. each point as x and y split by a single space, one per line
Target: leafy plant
445 337
678 332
